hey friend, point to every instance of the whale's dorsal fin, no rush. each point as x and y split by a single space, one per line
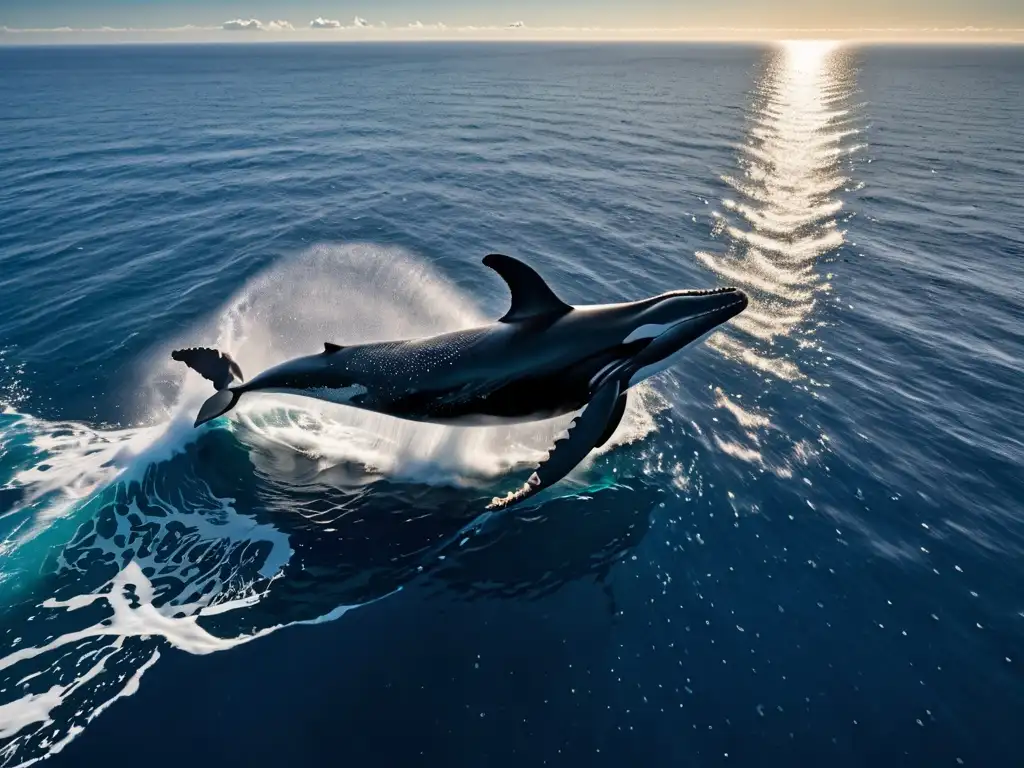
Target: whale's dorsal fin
531 296
329 348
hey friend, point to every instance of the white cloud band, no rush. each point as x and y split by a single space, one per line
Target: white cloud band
362 29
255 25
321 23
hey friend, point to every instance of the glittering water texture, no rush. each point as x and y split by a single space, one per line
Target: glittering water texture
803 545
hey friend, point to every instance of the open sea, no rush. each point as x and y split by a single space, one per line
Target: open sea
803 547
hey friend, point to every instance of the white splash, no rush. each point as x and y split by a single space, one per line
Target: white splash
82 489
362 293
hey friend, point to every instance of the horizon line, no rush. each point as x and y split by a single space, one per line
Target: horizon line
40 39
325 30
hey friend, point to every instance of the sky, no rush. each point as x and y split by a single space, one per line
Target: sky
90 21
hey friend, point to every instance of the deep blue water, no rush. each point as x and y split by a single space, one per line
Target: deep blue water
804 546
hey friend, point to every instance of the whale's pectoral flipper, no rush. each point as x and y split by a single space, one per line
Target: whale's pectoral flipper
531 296
585 434
217 367
614 420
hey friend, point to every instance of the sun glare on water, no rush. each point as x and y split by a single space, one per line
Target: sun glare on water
782 220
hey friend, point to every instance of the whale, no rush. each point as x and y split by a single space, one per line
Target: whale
542 359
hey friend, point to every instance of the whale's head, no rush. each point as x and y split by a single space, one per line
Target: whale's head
671 321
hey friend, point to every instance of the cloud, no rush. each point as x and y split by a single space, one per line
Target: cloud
242 25
321 23
254 29
254 25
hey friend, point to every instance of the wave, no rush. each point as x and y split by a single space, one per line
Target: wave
118 542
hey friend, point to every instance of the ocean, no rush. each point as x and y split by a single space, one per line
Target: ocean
804 545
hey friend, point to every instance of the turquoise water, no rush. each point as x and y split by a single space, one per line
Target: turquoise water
803 545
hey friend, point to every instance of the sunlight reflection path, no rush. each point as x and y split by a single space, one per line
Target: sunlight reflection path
782 220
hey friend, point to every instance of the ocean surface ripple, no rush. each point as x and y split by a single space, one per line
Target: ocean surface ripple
804 544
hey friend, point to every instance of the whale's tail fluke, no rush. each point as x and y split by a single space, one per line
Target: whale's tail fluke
218 368
217 405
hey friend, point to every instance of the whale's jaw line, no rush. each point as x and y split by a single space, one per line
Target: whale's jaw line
670 339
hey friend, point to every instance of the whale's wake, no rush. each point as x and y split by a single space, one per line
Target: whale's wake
120 542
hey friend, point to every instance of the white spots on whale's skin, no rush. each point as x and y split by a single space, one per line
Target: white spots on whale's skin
341 395
405 364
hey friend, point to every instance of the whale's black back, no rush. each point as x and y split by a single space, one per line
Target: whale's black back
500 372
496 372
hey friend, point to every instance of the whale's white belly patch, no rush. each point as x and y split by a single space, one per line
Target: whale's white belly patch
341 395
657 367
649 331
